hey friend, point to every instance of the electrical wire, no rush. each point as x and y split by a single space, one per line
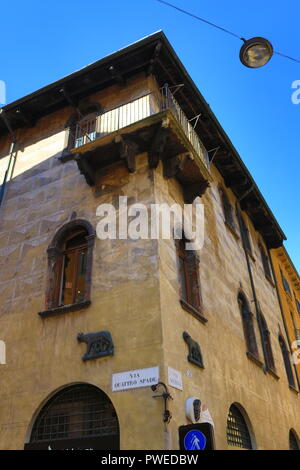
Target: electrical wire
287 56
200 19
220 28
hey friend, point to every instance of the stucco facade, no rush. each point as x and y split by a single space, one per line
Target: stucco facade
288 285
134 296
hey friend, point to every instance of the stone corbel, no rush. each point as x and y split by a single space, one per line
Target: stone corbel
128 151
191 191
85 168
171 167
157 148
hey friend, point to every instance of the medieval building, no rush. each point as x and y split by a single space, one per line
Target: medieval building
108 341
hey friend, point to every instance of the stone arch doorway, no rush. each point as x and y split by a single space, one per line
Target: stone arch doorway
80 416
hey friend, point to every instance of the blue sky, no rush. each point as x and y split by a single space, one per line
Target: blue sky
44 41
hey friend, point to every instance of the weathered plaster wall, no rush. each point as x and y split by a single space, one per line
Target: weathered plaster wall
134 296
281 263
229 376
44 355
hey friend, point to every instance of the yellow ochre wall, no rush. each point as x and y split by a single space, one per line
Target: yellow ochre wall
134 296
229 376
282 263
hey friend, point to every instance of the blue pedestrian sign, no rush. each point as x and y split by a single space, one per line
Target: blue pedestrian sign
195 440
198 436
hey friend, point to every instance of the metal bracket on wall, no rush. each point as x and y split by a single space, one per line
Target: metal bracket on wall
166 396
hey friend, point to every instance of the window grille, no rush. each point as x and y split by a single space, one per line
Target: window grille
76 412
237 431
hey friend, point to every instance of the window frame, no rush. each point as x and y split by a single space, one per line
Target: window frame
248 326
287 361
76 250
85 136
227 208
55 254
73 413
245 234
265 259
189 280
236 416
83 112
286 285
267 346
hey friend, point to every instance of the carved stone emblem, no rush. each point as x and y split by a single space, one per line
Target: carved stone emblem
99 344
195 355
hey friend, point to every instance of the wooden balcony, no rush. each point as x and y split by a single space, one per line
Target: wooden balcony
153 123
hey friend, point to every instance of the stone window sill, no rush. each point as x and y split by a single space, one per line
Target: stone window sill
254 359
270 281
273 373
52 312
250 254
194 311
293 389
232 229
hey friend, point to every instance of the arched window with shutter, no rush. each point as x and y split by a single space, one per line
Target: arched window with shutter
69 268
248 326
287 361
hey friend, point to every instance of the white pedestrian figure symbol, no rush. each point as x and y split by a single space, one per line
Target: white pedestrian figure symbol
195 442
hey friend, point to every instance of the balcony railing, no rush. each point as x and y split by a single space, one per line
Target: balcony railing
94 127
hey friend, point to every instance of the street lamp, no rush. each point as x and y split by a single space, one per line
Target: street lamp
256 52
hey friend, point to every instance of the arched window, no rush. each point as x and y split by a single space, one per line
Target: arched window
267 348
238 434
188 265
247 319
265 262
227 208
293 440
287 362
78 417
69 267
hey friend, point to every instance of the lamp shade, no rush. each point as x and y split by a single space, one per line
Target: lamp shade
256 52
